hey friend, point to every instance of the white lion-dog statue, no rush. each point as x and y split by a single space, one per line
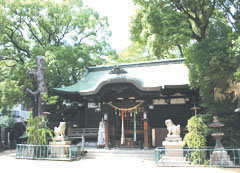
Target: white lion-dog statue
173 130
60 131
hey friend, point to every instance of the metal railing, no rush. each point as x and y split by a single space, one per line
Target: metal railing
227 157
48 152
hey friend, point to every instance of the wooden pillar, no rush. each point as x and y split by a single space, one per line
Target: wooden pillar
106 134
86 118
113 135
146 135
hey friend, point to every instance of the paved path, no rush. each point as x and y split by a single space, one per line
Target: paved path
99 164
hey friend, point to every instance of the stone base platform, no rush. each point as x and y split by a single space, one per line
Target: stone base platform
173 152
60 143
60 149
173 161
220 158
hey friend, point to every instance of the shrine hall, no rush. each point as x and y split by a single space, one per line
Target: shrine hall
132 100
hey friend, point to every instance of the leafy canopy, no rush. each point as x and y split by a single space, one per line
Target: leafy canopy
206 32
69 35
167 26
133 53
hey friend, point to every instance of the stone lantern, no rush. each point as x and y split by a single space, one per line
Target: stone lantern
219 155
217 132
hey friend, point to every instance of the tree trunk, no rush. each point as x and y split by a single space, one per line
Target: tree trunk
41 88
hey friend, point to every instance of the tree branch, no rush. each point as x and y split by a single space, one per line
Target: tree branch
34 35
46 30
194 35
83 37
181 8
180 49
11 66
65 32
10 36
34 93
8 59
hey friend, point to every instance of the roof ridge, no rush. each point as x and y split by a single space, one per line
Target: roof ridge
138 64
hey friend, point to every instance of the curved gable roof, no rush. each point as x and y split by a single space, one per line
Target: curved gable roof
146 76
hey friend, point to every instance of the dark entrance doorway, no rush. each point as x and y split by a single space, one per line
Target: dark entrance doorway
124 96
116 127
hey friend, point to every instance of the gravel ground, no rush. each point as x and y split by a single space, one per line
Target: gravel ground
8 163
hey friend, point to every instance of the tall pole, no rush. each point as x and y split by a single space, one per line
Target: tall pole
135 127
146 134
106 135
122 135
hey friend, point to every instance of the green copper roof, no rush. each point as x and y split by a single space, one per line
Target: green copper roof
146 76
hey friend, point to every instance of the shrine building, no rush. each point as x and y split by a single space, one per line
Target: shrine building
133 100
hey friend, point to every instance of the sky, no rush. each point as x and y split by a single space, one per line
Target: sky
118 13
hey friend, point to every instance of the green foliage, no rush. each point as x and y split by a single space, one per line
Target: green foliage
207 34
236 54
134 53
224 109
197 131
211 63
37 130
196 138
7 121
69 35
49 100
214 64
166 27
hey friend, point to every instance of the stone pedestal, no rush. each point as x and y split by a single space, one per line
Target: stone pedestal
60 148
220 157
173 152
60 143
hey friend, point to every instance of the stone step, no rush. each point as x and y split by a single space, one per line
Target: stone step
173 158
130 154
173 163
120 153
125 151
117 156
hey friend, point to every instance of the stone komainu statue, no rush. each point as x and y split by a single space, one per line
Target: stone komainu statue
172 129
60 131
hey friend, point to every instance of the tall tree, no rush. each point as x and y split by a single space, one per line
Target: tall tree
206 32
170 25
133 53
69 35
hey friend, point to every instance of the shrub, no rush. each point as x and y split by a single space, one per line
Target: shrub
196 138
37 130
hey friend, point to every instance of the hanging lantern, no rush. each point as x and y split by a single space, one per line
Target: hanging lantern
131 114
145 115
105 116
151 106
